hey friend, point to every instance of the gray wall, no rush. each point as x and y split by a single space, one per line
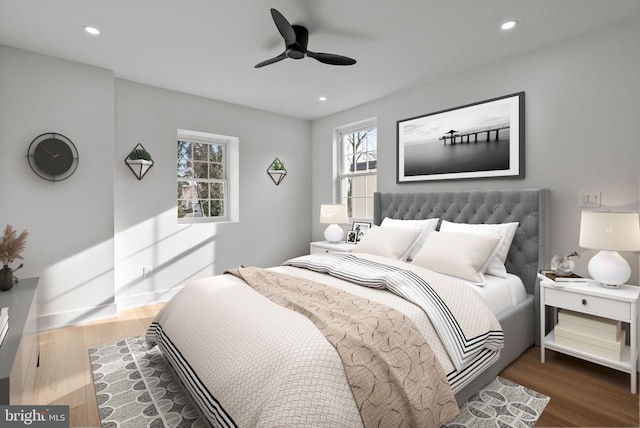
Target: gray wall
91 234
582 109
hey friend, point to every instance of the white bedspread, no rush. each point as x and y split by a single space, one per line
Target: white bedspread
251 362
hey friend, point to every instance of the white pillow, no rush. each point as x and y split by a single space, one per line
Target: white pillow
392 242
426 227
463 255
506 230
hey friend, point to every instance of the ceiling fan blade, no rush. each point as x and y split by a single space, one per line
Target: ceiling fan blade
302 36
285 29
271 60
331 59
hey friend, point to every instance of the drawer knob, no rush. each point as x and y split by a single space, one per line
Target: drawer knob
584 301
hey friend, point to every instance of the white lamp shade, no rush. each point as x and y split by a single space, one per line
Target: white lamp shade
610 230
333 214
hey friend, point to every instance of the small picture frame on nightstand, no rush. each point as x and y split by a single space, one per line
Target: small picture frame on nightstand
360 228
351 236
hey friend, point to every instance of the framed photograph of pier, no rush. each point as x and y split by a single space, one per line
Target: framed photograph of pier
480 140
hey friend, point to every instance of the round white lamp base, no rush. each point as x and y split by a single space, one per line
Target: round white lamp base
333 233
609 268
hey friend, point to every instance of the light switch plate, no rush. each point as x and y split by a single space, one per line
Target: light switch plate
589 199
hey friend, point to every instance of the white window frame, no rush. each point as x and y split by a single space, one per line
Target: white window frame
231 201
339 164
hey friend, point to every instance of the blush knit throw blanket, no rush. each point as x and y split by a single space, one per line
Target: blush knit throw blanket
394 375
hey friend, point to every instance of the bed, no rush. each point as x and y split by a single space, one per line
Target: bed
527 255
252 352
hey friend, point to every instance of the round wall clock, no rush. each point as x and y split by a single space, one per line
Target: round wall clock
53 156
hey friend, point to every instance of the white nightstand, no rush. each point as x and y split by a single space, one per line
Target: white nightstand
620 304
330 247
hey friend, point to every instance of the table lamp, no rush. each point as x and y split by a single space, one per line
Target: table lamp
610 232
333 215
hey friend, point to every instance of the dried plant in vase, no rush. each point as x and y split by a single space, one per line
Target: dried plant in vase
11 247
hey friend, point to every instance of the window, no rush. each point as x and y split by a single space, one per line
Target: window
204 186
357 166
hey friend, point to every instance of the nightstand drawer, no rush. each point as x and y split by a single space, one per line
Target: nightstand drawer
330 247
589 304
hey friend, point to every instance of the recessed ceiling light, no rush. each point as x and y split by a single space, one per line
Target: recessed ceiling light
322 98
92 30
508 25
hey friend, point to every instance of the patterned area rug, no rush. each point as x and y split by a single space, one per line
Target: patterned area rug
136 387
501 403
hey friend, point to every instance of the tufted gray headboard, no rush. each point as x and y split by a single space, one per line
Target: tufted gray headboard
529 207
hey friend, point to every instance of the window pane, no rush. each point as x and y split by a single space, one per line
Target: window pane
348 145
359 208
185 168
180 183
189 190
372 185
348 164
217 153
217 170
204 206
359 150
369 208
372 145
217 191
200 170
182 208
358 187
217 208
189 208
373 160
184 150
203 190
200 151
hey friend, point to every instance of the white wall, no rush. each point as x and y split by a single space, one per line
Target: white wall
91 234
582 109
274 220
70 223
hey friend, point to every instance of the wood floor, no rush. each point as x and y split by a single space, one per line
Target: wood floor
65 377
582 394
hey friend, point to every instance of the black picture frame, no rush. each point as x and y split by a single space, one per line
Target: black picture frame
352 236
479 140
360 228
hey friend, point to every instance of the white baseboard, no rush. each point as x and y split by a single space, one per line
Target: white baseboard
78 316
97 313
144 299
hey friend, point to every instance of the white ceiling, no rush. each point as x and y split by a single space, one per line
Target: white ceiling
210 47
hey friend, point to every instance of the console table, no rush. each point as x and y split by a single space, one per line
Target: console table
20 349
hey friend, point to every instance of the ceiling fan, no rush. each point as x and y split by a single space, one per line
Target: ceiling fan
296 38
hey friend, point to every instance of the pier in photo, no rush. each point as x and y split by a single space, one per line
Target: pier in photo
454 135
